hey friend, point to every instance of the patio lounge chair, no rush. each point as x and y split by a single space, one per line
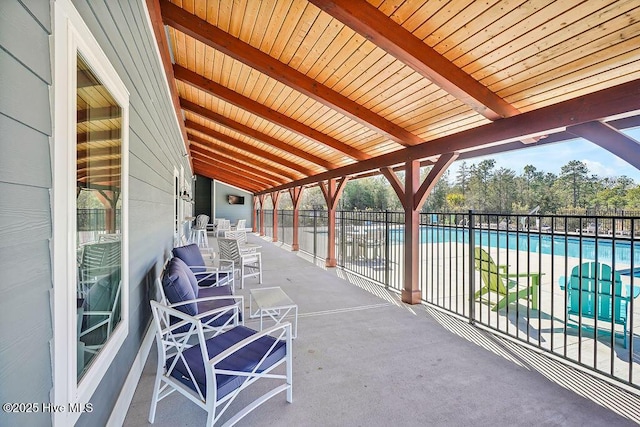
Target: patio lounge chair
199 231
215 306
97 260
498 280
602 303
100 312
206 274
246 264
214 371
223 225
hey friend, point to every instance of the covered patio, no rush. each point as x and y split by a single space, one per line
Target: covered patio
122 106
362 357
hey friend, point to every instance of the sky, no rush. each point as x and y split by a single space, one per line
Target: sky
551 157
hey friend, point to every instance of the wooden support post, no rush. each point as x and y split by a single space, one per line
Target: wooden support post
413 196
332 191
109 199
296 193
275 196
411 291
254 226
261 198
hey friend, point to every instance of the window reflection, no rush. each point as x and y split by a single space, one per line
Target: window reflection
98 207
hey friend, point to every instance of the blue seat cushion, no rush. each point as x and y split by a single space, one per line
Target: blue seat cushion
213 280
215 291
191 256
245 359
177 286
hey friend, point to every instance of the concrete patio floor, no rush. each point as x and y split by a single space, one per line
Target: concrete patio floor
363 358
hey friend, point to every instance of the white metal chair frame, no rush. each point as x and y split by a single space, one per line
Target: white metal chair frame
238 235
199 231
240 226
108 320
223 225
246 264
211 316
172 345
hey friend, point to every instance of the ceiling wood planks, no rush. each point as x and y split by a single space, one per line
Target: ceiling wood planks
393 38
252 133
282 93
258 109
229 45
247 147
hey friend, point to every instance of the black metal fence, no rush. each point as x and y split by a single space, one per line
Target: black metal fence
95 219
564 284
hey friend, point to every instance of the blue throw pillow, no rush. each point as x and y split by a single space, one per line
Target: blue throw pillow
191 256
178 288
187 271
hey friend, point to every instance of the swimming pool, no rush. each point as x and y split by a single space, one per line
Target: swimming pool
572 246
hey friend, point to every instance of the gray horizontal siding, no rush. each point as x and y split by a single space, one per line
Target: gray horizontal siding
18 141
155 148
25 97
16 20
25 182
25 208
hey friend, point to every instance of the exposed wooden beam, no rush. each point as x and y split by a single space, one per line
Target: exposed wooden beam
102 113
84 153
86 79
249 149
98 136
91 163
432 178
230 170
255 134
215 150
250 172
155 15
394 181
260 110
368 21
214 37
609 138
623 99
202 168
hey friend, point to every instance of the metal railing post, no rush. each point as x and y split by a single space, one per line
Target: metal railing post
315 233
472 276
387 271
343 245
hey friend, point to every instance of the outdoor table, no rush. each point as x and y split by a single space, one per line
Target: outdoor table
273 303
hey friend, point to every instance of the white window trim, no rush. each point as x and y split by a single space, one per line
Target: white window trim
72 36
176 207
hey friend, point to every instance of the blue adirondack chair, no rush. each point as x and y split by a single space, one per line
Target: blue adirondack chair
595 294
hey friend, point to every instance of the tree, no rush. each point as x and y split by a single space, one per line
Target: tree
437 200
312 197
480 177
455 201
503 190
462 178
573 181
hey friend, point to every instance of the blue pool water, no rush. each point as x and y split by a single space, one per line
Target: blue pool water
560 245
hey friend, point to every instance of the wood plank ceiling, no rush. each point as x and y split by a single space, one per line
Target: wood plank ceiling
276 93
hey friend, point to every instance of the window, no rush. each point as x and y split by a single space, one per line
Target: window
98 213
90 211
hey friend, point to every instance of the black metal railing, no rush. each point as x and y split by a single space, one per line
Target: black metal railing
95 219
268 223
564 284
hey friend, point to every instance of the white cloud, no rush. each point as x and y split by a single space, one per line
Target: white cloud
597 168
